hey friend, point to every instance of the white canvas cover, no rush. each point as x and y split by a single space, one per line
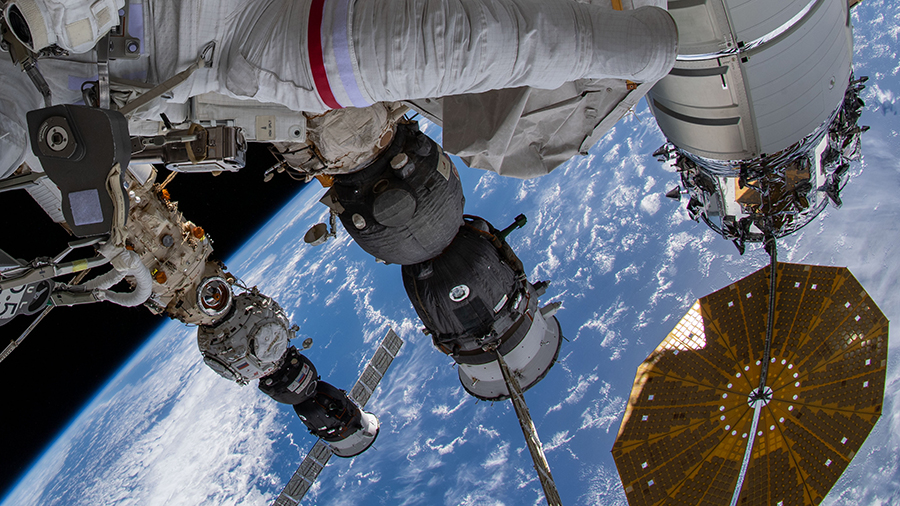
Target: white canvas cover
526 132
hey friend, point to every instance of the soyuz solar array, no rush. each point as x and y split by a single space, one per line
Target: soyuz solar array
685 429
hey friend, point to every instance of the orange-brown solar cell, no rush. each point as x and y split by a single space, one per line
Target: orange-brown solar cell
685 430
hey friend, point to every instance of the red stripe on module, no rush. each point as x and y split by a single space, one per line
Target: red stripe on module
316 57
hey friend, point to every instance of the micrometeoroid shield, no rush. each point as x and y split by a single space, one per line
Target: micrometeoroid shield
406 206
475 302
332 416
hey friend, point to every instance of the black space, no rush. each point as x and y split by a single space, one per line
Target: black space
76 350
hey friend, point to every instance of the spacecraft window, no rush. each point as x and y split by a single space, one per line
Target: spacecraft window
459 293
380 186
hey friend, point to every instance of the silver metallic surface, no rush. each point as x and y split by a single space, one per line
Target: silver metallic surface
753 81
530 360
250 342
199 149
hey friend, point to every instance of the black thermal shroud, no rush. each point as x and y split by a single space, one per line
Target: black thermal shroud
293 382
329 414
407 214
456 294
78 147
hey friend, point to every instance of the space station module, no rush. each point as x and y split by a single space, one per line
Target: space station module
326 82
252 342
464 280
271 67
188 84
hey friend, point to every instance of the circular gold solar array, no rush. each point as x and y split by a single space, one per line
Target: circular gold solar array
687 423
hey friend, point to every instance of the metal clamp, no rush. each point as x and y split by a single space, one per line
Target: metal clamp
41 269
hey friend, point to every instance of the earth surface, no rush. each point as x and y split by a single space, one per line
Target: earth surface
626 263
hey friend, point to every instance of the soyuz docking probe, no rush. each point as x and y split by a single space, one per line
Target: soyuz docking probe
759 105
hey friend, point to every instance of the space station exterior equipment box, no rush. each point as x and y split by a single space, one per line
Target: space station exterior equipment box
84 151
753 78
188 285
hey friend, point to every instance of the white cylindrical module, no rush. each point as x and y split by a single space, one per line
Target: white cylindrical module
753 79
762 109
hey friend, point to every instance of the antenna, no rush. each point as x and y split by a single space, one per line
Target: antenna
531 435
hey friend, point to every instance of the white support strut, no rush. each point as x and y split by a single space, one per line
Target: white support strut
757 409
